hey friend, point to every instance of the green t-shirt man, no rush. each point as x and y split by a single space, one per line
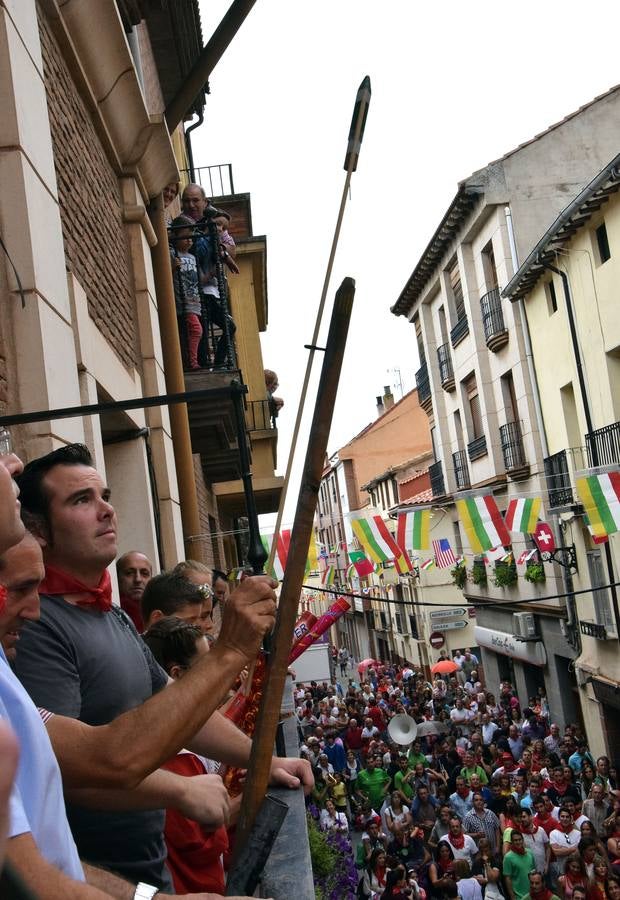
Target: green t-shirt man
372 784
416 756
517 867
474 770
400 784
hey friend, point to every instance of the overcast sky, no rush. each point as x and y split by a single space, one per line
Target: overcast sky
454 86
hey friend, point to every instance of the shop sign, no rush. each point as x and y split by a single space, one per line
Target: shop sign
358 604
532 652
448 626
448 613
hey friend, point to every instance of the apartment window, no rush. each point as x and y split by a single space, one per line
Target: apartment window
419 340
399 623
413 626
602 243
602 604
383 620
552 300
395 490
457 292
443 325
509 397
470 387
489 268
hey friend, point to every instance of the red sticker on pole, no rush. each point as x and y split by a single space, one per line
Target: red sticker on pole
544 540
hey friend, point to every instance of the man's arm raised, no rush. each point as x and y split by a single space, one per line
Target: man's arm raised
136 743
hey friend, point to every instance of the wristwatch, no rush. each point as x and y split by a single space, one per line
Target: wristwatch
145 891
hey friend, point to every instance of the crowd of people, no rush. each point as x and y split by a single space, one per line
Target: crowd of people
113 736
492 799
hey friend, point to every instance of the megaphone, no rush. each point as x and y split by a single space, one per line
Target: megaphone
403 729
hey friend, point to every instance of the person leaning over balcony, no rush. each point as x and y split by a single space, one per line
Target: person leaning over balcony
84 659
194 204
186 289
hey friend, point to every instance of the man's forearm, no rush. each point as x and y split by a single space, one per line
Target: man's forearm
110 884
122 753
159 790
45 880
220 739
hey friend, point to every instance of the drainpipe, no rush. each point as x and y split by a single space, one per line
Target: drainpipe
175 382
540 422
588 415
188 144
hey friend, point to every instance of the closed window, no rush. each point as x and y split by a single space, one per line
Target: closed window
602 603
602 243
470 387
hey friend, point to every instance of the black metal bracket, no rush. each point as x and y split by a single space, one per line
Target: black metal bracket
563 556
314 347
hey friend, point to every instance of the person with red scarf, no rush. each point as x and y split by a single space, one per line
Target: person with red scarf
564 841
518 863
544 817
462 845
538 888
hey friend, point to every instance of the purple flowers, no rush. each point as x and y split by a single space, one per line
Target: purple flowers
333 865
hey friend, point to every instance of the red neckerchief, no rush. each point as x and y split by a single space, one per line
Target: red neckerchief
381 872
59 583
446 864
3 594
458 842
463 792
567 828
543 894
519 852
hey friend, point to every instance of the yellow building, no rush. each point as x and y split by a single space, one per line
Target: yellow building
569 288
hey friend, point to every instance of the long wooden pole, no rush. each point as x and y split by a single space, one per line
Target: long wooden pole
356 133
257 779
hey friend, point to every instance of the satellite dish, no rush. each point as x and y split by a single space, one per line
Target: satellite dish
403 729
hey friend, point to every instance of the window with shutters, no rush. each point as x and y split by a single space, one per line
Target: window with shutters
457 292
413 626
470 388
602 602
399 623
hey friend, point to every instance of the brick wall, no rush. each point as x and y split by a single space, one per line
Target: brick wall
90 209
209 520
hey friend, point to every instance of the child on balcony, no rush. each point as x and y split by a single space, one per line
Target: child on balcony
186 289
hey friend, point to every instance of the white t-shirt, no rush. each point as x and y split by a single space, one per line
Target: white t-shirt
562 839
398 818
537 843
467 851
37 803
339 819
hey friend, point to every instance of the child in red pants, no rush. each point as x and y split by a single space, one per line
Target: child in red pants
186 290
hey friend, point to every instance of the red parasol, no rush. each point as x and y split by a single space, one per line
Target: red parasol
444 667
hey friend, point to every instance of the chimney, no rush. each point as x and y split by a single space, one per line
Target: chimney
380 406
388 397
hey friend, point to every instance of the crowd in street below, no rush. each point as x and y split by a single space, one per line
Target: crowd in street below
491 799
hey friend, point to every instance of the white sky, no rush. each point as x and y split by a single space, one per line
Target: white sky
454 85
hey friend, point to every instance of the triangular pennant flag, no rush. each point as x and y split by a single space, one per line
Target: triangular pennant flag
413 529
482 522
428 564
522 515
361 563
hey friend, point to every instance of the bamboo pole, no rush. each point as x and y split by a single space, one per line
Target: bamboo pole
257 779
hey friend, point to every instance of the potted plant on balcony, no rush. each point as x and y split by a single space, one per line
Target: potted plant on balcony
479 573
505 574
534 572
459 575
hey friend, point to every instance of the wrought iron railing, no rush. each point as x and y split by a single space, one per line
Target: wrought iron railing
446 372
216 181
603 445
477 447
435 472
460 330
558 480
492 316
423 384
260 415
461 470
511 441
216 349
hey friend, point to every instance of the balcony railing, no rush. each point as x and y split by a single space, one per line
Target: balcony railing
460 330
495 331
513 451
217 181
435 472
446 372
461 470
477 447
260 415
423 385
603 445
558 480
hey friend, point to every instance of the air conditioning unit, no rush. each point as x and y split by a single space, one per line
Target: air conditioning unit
524 626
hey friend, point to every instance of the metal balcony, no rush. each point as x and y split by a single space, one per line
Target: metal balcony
495 331
216 181
603 446
424 388
513 451
460 331
446 372
477 448
435 472
461 470
260 415
558 480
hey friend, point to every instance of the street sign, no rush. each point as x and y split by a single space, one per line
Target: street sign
448 613
447 626
437 640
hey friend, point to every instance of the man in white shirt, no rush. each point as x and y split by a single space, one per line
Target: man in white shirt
535 839
488 729
563 840
463 846
460 715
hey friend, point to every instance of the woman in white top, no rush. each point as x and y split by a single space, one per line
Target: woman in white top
332 820
398 820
